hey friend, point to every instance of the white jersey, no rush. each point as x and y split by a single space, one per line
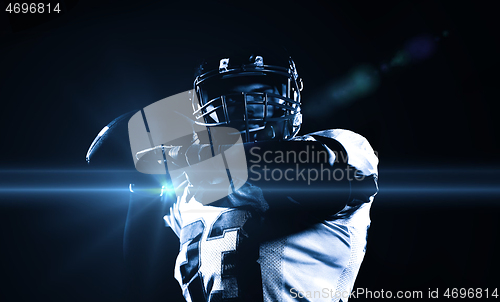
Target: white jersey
221 260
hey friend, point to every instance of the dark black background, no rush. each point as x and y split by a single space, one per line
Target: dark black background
432 122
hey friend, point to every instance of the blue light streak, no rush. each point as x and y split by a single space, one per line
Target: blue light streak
409 182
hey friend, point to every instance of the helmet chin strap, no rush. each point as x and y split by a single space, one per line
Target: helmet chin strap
258 134
267 133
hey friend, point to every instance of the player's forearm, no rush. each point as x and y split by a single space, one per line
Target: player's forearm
303 173
291 172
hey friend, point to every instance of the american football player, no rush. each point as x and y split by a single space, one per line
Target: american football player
295 227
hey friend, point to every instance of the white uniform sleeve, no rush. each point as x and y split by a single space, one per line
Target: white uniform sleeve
360 154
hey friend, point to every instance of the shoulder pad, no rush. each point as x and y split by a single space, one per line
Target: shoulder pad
360 153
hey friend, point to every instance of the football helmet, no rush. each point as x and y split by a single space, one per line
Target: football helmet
256 94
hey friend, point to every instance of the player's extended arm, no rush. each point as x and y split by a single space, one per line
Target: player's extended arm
313 174
343 180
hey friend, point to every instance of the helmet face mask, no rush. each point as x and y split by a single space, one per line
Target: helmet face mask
261 101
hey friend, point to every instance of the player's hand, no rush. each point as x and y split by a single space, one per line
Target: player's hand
177 156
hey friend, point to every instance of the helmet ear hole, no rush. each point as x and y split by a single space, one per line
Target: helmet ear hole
286 130
297 120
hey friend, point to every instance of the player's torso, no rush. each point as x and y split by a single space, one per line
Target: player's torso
218 253
237 253
233 254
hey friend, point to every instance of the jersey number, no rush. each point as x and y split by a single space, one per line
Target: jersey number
219 239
